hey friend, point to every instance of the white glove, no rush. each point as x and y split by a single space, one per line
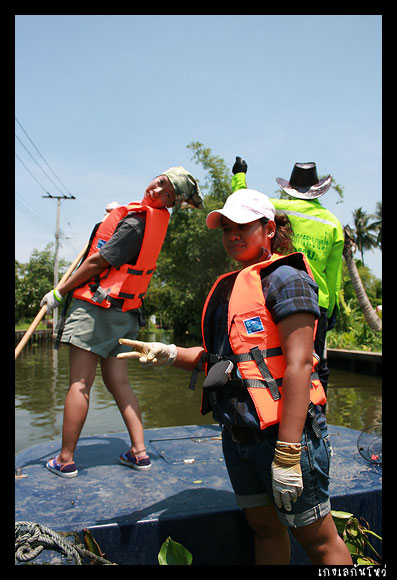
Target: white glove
52 299
149 353
286 474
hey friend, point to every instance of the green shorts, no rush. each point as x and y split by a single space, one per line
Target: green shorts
98 329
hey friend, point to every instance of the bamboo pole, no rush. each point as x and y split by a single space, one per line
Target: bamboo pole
43 309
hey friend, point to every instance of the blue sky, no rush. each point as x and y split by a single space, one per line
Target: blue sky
111 101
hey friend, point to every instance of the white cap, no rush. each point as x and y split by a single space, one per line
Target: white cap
112 205
242 207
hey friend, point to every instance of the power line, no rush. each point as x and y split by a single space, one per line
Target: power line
31 174
45 161
38 165
31 217
28 211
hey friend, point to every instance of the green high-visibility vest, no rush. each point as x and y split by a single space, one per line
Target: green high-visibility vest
319 235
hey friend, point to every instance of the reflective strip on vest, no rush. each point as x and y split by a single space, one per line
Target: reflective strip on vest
306 216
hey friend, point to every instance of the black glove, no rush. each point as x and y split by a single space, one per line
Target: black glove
331 321
239 166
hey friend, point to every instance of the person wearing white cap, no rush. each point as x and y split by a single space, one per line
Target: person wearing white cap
108 290
258 327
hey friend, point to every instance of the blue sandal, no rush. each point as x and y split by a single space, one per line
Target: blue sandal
129 458
62 469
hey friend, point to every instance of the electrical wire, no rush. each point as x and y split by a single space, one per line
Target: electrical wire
43 158
21 204
31 174
39 166
39 220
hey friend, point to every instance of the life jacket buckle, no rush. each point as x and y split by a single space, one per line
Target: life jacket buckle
100 294
313 420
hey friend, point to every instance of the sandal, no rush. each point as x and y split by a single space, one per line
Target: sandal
62 469
130 459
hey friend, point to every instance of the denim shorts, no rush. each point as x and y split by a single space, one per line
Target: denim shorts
249 468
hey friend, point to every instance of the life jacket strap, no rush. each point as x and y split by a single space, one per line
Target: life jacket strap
266 353
196 370
259 357
269 382
243 357
126 295
135 272
266 374
312 417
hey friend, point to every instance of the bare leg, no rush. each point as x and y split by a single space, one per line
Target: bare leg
115 376
272 545
322 542
82 374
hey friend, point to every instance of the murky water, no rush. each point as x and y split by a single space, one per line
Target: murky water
42 378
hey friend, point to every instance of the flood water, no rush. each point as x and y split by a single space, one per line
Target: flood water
42 379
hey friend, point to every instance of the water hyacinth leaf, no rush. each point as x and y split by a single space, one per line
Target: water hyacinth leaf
91 544
172 553
340 520
341 515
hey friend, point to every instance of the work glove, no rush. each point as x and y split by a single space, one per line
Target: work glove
52 299
240 166
149 353
331 321
286 474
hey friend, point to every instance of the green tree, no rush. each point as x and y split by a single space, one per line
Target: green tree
377 224
364 237
367 309
192 256
352 331
33 280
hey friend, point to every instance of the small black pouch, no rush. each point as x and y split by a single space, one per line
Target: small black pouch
218 375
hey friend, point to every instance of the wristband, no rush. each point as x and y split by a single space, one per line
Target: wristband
58 295
287 453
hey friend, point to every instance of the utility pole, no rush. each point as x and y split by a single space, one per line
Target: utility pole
56 260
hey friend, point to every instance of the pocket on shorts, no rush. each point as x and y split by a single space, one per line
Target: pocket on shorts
316 455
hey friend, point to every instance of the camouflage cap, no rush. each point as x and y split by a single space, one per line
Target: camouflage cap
185 186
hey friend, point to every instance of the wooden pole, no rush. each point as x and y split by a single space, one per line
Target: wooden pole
43 309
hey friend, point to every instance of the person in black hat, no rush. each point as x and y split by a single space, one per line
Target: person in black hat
317 233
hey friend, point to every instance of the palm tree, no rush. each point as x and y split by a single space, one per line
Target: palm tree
367 309
363 236
377 224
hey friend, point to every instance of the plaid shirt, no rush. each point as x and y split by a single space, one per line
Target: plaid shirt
287 291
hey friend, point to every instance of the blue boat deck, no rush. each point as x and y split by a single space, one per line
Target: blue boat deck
186 495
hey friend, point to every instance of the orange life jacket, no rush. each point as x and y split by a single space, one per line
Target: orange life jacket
255 341
127 282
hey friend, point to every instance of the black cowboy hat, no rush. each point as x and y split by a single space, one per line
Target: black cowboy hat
304 183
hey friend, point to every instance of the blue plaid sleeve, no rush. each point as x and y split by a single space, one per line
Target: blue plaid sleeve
289 291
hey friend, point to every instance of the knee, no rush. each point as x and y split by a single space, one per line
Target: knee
118 386
321 541
325 548
264 522
81 386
